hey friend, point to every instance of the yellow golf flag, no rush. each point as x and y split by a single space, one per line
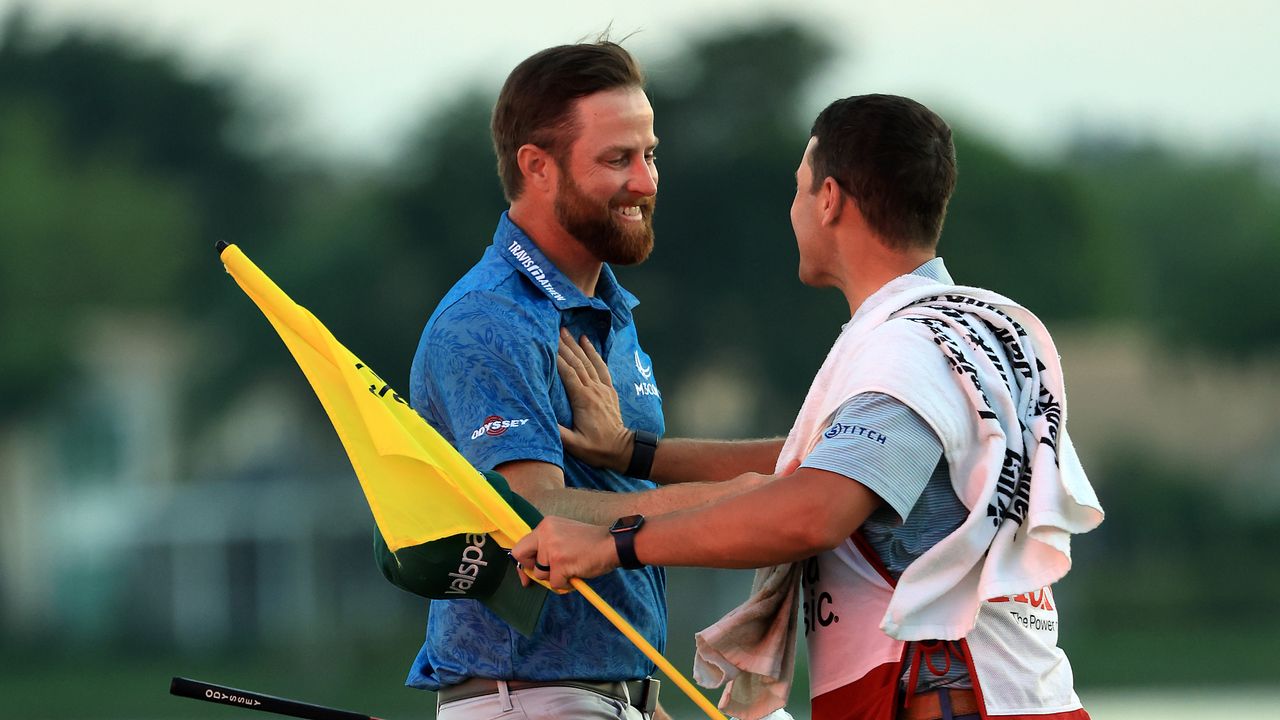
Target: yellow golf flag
418 486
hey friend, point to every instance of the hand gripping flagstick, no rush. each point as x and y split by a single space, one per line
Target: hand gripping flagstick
418 486
222 695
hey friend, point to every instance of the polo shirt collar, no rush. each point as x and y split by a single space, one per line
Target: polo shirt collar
934 269
616 296
523 254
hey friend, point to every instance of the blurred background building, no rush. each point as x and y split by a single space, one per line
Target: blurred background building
173 501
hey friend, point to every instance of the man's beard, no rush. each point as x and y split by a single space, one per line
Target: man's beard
592 223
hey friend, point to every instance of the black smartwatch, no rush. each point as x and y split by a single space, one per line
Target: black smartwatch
643 449
624 539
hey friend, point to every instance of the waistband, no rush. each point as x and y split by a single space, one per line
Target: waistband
641 694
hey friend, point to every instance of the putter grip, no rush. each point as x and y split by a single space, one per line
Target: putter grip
199 690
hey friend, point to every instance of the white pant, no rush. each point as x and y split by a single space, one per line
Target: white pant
540 703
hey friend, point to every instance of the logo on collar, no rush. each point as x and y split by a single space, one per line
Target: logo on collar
535 271
645 372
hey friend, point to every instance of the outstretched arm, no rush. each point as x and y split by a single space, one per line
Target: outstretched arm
599 437
543 485
790 519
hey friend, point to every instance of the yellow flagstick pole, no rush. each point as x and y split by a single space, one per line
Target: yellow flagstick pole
650 651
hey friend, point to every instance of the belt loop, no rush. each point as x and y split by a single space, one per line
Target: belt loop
504 694
652 686
944 703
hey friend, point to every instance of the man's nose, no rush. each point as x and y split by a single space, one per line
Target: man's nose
643 179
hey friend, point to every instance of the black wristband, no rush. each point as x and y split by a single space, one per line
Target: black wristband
643 448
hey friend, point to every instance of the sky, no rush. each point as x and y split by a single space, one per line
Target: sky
352 78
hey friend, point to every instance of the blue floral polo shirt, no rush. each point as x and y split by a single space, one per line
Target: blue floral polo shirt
485 377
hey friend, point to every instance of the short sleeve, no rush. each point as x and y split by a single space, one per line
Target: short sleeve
881 443
487 384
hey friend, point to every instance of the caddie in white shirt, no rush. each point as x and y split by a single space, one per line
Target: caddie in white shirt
927 492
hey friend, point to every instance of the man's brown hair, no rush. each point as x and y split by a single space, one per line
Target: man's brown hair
895 158
535 105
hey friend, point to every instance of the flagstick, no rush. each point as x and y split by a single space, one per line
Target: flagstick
649 651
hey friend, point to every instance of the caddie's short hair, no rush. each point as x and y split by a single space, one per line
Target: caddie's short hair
895 158
536 103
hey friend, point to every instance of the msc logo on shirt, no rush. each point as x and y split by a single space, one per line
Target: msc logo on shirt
495 425
647 389
645 372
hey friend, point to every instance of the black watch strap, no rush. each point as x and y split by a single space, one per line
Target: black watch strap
624 540
643 448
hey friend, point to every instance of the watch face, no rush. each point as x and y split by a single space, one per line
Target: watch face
627 524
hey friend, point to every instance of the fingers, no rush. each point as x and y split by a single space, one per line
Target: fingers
574 354
597 363
525 550
582 360
531 570
532 557
584 356
573 369
530 574
571 440
525 580
544 572
561 549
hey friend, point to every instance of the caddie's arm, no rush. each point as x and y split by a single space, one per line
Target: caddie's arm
543 485
600 439
807 512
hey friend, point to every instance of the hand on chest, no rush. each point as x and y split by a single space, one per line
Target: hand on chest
631 374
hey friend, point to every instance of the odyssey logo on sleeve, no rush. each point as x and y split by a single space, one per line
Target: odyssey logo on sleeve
495 425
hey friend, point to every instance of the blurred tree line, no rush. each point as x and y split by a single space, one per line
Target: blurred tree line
119 169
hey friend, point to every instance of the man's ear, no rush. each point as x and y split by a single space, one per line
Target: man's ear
831 200
538 167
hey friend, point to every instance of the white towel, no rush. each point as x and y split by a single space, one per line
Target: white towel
938 348
1023 483
753 647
